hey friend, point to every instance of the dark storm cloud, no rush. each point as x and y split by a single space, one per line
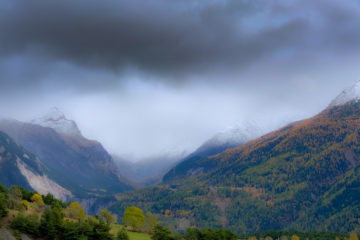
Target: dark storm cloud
150 35
112 65
177 38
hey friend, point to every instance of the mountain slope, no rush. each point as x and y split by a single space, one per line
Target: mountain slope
198 163
338 209
10 157
20 167
294 167
304 176
80 165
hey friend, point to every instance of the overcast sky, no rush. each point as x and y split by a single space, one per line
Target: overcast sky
162 76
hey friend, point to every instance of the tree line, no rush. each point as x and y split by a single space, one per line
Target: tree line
44 216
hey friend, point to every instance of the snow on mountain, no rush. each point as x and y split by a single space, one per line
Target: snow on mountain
348 95
57 120
233 136
198 163
73 162
228 138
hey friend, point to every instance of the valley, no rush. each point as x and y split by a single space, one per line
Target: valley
304 176
179 120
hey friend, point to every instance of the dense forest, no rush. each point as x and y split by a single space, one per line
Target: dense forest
46 217
38 216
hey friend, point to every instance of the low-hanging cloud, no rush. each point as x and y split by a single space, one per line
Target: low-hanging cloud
144 76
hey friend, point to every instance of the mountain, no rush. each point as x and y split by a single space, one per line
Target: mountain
151 171
304 176
57 120
80 165
20 167
228 138
197 162
349 95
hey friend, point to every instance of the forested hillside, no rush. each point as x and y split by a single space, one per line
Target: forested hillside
28 215
304 176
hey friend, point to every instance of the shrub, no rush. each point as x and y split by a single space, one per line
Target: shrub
122 235
26 224
3 204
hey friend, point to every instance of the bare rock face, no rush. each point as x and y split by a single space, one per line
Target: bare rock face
42 183
20 167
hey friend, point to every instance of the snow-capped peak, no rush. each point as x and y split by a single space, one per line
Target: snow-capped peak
233 136
348 95
56 120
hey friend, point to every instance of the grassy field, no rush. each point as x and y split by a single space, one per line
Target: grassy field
138 236
132 235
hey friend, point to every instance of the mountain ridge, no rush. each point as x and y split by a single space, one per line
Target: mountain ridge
80 165
297 177
195 163
350 94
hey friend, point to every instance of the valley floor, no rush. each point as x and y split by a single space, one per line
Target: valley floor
115 228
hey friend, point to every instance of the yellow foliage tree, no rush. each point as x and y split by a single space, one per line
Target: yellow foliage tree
75 211
134 217
26 204
295 237
36 198
108 218
354 236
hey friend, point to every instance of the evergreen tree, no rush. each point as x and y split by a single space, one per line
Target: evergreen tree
3 204
3 189
100 231
161 233
51 223
49 199
209 234
26 224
